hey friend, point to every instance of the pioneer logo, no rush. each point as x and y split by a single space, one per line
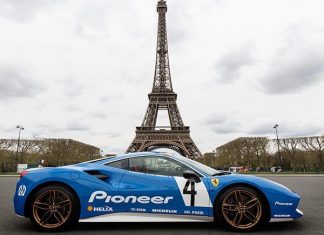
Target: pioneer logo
283 203
101 195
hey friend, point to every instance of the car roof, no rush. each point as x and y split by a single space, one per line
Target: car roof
137 154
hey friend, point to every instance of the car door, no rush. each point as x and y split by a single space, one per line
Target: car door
156 186
104 191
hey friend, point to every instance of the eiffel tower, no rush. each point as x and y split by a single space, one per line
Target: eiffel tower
149 136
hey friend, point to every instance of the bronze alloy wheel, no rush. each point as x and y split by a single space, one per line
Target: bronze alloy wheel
52 208
242 209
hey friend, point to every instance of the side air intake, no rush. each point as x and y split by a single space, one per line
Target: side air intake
97 174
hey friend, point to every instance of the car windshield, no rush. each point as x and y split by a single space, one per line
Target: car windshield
208 170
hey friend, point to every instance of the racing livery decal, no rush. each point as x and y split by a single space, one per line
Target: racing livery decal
215 182
101 195
193 193
22 190
100 208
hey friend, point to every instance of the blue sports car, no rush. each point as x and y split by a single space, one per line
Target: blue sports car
150 187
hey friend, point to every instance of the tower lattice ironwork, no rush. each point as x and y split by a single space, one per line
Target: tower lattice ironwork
149 136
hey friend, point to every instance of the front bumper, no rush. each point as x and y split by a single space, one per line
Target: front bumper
298 213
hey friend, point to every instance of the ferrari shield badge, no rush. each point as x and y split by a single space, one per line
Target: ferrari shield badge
215 182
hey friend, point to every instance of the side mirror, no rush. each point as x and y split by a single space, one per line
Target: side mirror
188 174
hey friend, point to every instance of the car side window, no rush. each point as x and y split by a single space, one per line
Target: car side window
157 166
121 164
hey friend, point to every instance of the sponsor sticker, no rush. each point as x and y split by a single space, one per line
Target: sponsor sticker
194 212
101 195
282 216
138 209
283 203
100 208
22 190
165 211
215 182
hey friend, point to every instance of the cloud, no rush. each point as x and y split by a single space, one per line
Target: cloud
110 98
226 129
73 107
114 135
231 63
43 127
8 129
108 134
72 87
92 19
287 128
99 114
223 123
77 126
22 11
293 128
216 119
110 149
298 63
262 127
178 33
16 84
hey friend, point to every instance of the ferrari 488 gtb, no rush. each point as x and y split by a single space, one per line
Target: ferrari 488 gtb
150 187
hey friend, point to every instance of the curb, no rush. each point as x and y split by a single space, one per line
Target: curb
9 175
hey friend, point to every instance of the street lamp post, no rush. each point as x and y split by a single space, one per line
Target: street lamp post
20 127
279 155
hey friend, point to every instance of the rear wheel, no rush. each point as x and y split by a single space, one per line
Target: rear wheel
53 208
240 209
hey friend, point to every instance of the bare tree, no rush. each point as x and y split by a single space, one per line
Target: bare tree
26 146
5 145
6 155
289 145
315 144
262 148
246 151
53 151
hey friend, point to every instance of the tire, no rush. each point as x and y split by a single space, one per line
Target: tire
240 209
54 208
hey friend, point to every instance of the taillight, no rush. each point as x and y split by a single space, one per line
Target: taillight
22 174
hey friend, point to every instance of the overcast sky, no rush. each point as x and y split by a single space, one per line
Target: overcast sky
83 69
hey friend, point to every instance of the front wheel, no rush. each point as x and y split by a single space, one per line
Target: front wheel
53 207
240 209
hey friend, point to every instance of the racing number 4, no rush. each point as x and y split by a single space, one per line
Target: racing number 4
192 191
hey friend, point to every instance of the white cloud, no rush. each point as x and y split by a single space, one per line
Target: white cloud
231 63
22 11
298 62
15 83
223 123
77 125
